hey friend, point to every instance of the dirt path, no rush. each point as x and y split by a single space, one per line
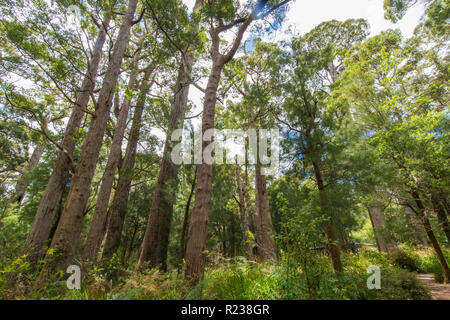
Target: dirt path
437 290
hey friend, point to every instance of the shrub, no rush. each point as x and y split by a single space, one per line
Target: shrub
242 280
405 260
429 263
152 285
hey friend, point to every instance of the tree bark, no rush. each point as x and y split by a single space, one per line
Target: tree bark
119 204
154 246
186 220
232 238
333 248
248 205
376 214
21 185
156 239
243 215
98 224
431 236
69 228
198 227
266 248
45 214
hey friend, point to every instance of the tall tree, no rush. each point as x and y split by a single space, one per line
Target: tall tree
119 204
384 82
98 223
45 214
221 21
243 214
69 227
22 183
256 77
378 220
154 246
316 62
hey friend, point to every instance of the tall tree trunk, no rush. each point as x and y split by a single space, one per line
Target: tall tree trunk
333 248
57 217
21 185
186 220
126 253
119 204
98 224
233 238
248 204
243 215
198 226
69 228
45 214
156 239
376 214
154 246
431 236
266 248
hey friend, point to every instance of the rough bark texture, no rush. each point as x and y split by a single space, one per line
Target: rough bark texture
45 214
198 227
21 185
156 239
333 248
431 236
98 224
248 204
119 204
243 215
266 247
69 228
186 221
376 214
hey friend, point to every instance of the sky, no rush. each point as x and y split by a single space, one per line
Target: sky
304 15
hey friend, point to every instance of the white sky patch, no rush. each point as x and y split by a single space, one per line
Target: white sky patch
305 15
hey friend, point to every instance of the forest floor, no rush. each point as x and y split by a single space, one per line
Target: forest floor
438 291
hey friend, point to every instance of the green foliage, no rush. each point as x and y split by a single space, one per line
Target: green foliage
395 283
238 281
152 285
396 9
362 120
302 253
429 263
244 280
405 260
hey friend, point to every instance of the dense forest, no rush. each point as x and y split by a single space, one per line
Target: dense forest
310 160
